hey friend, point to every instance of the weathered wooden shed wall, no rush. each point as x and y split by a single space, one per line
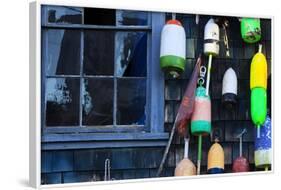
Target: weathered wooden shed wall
64 166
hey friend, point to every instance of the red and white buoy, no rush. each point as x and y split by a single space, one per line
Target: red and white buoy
173 48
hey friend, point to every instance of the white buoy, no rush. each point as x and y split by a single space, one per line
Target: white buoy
173 48
229 87
211 46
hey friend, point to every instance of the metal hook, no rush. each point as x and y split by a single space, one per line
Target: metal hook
240 136
107 169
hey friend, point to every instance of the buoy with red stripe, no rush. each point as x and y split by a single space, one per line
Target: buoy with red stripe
201 120
211 46
241 163
229 88
215 159
173 48
258 86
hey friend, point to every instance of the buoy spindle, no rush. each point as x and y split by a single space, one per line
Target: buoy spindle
209 74
199 156
186 146
258 131
260 48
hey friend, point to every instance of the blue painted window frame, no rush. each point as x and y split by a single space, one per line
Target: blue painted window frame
88 137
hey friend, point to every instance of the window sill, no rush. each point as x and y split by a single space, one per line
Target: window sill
102 140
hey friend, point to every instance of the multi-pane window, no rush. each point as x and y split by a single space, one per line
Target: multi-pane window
94 68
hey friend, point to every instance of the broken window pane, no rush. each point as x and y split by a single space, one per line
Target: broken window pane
131 101
125 17
97 101
98 52
61 53
130 54
64 15
62 102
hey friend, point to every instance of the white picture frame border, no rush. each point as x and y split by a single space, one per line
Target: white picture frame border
35 88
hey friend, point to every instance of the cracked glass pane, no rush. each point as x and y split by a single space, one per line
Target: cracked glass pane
131 54
62 102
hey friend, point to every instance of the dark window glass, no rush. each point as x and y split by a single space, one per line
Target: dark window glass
61 52
62 102
132 17
131 101
66 15
130 54
97 16
98 52
97 101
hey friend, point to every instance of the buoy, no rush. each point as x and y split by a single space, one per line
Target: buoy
201 120
241 163
250 29
173 48
211 46
201 117
185 167
258 72
258 85
215 159
184 113
258 105
229 88
263 146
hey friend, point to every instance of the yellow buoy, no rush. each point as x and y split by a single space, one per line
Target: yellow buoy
258 75
216 159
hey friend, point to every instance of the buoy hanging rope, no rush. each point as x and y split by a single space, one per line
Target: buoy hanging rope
184 114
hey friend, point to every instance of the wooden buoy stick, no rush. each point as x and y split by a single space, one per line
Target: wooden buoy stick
258 131
260 48
240 147
209 74
186 146
199 154
174 16
167 149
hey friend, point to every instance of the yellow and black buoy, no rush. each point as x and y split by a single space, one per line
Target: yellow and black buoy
216 159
